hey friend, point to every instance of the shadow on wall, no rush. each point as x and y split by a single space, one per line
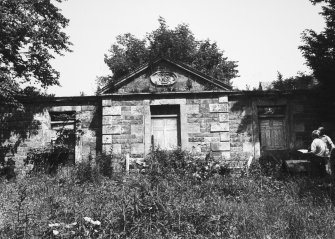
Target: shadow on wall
242 109
16 126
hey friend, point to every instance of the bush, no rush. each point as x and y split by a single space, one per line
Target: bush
48 159
180 163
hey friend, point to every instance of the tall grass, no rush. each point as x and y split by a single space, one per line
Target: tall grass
165 202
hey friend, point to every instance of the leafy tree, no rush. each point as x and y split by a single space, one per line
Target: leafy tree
319 48
30 34
177 44
299 82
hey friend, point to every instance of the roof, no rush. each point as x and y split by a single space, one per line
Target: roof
142 68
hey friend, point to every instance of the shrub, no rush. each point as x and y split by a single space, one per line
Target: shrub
48 159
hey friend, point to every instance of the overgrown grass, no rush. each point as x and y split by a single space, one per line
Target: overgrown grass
163 203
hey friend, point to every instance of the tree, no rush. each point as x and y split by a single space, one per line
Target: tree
178 44
30 34
319 48
299 82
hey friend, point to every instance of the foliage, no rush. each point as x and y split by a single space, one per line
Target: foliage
31 33
178 44
299 82
47 159
130 206
161 163
319 48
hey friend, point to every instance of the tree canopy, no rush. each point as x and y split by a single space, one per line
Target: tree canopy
319 48
177 44
31 32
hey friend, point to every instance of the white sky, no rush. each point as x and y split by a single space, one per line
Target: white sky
262 35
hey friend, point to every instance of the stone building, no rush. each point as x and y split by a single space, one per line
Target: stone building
167 104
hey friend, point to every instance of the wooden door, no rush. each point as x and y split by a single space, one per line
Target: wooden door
165 133
272 134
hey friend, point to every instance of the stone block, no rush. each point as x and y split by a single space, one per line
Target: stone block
223 117
224 136
219 127
87 107
223 99
137 130
107 148
106 102
107 120
211 139
195 139
226 155
111 129
216 108
116 149
137 149
111 110
137 110
192 109
125 129
107 139
193 128
220 146
248 147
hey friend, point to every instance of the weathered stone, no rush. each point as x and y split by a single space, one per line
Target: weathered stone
125 129
111 110
196 139
225 155
220 146
107 120
106 102
248 147
211 139
116 149
219 127
193 128
192 109
87 107
218 108
137 130
111 129
223 117
223 99
224 136
137 149
136 110
107 148
107 139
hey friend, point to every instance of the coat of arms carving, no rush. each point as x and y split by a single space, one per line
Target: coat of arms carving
163 78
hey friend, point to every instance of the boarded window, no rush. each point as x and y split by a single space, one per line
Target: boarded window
165 126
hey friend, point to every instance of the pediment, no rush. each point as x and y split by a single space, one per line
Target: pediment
164 75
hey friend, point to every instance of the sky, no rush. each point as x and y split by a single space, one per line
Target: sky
262 35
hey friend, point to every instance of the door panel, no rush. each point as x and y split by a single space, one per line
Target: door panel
272 134
164 132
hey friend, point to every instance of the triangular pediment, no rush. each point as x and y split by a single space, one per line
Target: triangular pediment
165 75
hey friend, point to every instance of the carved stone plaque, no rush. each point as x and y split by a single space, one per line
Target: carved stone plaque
163 78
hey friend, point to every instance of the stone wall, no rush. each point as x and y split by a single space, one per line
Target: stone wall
25 130
204 124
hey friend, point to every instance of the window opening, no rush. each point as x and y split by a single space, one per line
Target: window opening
63 126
